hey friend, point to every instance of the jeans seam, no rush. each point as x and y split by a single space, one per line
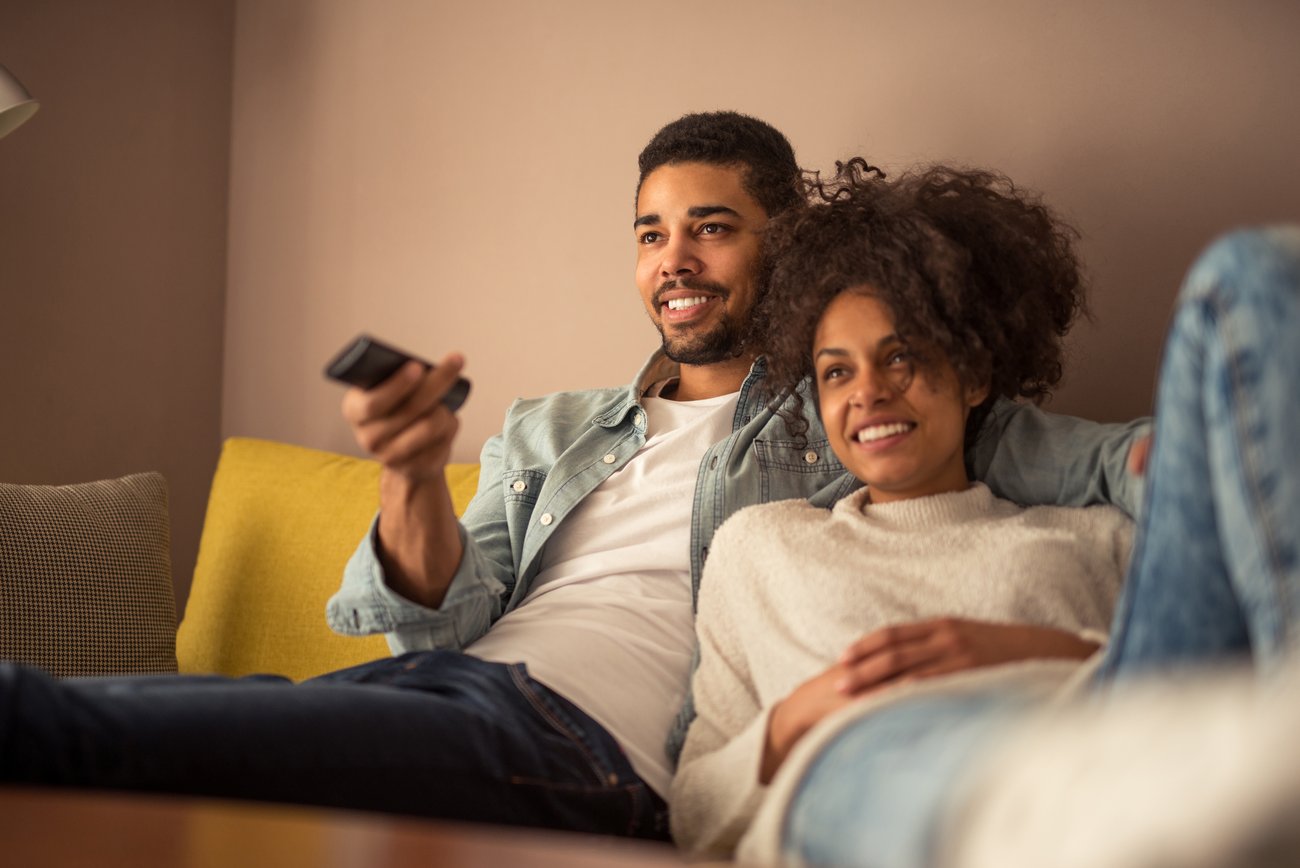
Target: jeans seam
1250 463
552 719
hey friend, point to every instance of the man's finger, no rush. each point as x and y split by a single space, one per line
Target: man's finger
1138 454
361 406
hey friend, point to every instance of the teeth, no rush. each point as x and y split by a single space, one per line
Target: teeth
683 303
880 432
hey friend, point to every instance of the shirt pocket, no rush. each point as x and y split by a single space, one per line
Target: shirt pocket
789 468
522 487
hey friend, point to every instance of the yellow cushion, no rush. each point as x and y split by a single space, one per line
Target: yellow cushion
282 522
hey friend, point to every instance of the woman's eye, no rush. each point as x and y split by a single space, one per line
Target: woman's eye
898 357
832 374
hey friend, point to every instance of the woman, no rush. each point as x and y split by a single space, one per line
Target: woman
922 301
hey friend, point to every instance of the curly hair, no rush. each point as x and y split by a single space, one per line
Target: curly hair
975 272
729 138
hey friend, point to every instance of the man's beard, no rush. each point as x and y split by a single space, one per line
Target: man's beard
725 340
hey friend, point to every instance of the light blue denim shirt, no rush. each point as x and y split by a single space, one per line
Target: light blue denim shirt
554 451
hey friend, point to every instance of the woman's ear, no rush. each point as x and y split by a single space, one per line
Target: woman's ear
977 394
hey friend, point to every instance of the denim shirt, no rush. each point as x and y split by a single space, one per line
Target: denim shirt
554 451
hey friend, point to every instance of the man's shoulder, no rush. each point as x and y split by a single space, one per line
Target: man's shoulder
568 401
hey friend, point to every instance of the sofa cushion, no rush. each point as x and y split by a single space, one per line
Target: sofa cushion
85 577
282 522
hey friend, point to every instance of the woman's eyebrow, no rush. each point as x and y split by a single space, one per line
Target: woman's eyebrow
836 351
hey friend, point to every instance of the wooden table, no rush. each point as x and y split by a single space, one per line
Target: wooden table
59 828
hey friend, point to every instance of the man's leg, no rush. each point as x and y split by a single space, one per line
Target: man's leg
434 733
1216 569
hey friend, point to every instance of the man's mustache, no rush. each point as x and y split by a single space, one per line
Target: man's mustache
689 283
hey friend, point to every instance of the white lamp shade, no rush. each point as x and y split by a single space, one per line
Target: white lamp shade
16 104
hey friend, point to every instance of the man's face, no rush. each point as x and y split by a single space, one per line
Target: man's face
697 235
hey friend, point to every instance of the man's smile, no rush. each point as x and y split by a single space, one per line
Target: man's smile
680 301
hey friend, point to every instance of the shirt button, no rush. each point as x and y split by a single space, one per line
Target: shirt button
639 419
810 457
546 519
520 485
610 458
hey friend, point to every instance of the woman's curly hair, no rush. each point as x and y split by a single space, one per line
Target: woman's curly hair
974 271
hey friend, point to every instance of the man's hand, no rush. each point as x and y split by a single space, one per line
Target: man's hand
1138 454
907 652
403 423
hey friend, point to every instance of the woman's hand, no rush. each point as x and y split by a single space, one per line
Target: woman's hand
940 646
902 653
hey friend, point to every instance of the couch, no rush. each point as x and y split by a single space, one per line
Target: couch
85 576
282 522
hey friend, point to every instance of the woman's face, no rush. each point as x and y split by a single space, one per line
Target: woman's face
897 428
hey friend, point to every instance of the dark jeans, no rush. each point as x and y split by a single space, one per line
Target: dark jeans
434 733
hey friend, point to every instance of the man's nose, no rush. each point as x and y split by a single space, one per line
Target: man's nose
679 258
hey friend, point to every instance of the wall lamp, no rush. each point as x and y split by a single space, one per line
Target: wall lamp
16 104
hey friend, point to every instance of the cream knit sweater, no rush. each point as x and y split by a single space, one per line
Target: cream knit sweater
788 586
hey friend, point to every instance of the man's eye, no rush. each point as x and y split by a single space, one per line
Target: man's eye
648 237
713 228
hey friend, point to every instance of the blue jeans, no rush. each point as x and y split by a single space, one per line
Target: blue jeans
1215 572
431 733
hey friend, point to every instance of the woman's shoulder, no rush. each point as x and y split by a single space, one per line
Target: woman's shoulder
764 517
1100 516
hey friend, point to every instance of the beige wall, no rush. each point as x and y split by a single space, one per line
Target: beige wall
459 176
113 244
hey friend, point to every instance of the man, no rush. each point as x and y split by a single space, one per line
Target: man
550 630
595 507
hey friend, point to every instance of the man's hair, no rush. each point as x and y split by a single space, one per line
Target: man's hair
974 271
770 175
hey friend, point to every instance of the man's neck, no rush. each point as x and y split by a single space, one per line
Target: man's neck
698 382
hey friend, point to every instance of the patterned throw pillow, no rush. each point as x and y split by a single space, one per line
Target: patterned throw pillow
85 577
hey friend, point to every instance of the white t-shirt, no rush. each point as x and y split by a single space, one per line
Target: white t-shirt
608 621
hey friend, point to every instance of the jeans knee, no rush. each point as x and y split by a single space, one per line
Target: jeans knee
1259 267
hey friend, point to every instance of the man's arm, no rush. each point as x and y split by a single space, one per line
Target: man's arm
403 424
1036 458
419 575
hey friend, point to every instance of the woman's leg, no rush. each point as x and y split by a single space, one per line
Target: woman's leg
1215 574
1216 568
872 796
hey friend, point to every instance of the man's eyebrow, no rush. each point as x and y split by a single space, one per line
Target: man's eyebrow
696 212
709 210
